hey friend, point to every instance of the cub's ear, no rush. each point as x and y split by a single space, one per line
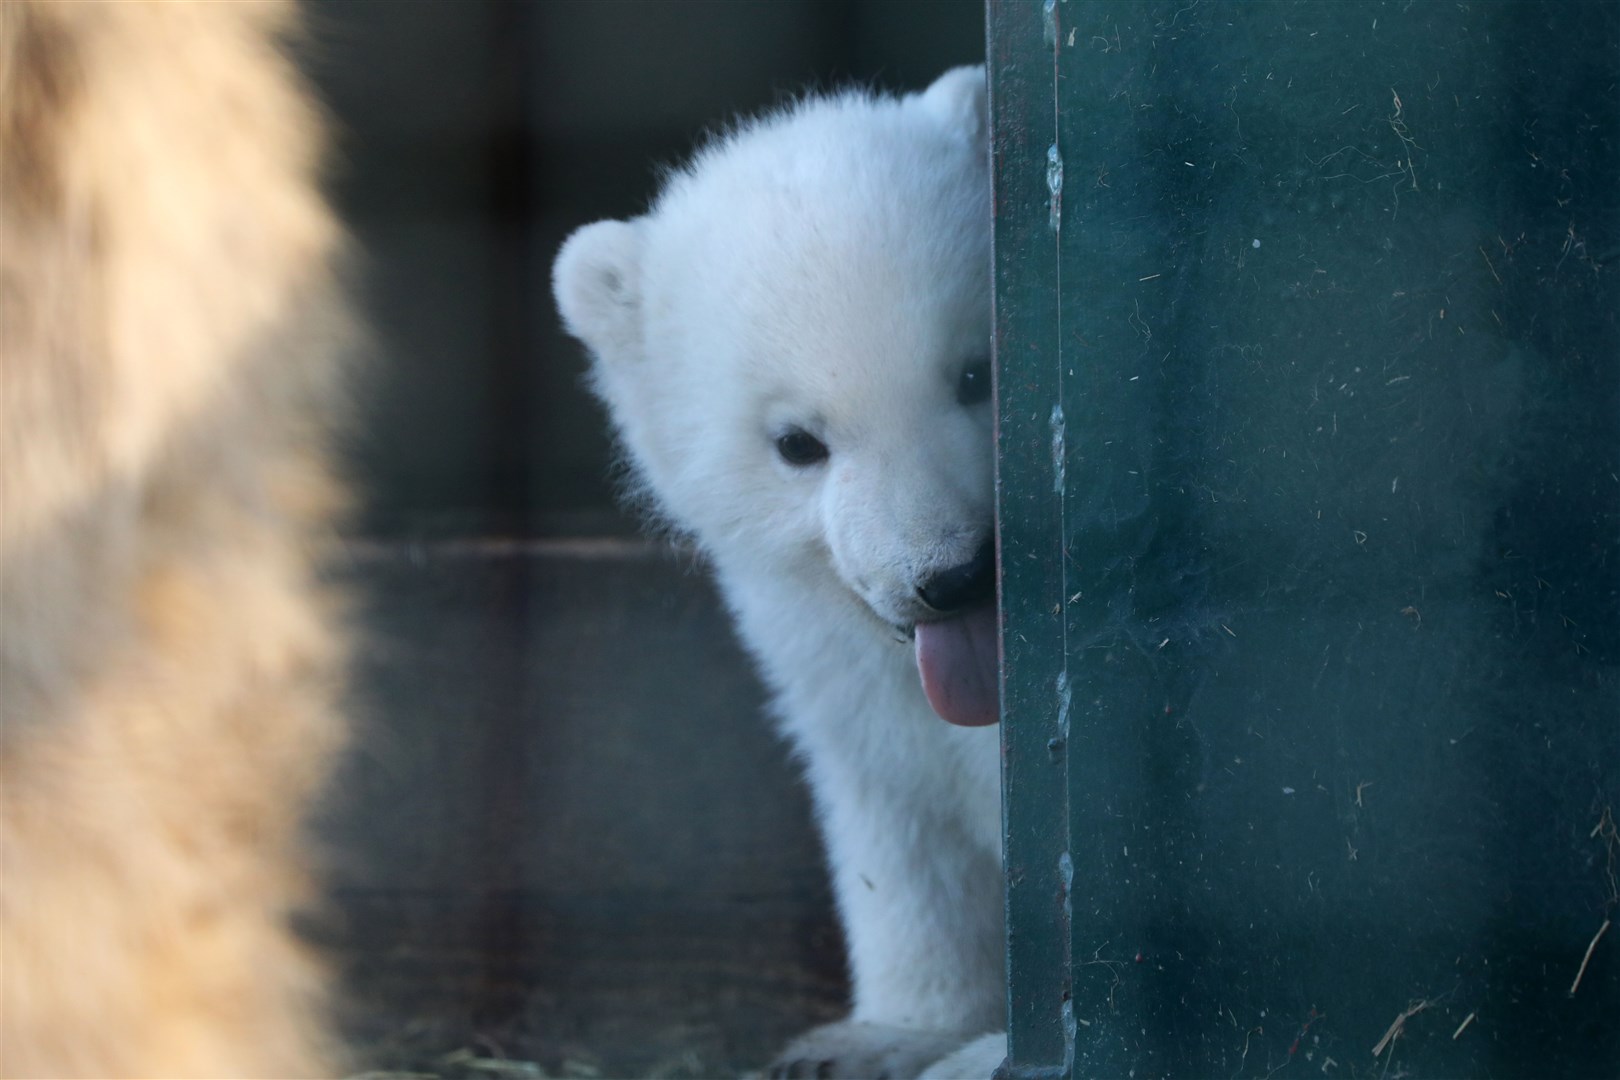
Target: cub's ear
597 284
957 99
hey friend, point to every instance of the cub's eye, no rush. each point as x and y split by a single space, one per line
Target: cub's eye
973 388
798 447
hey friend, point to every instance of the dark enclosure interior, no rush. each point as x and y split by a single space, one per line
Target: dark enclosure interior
567 838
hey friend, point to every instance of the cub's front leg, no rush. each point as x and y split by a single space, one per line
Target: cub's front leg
922 910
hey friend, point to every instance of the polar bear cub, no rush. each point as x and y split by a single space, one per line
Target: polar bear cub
793 343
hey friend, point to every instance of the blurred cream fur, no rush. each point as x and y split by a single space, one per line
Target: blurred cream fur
169 331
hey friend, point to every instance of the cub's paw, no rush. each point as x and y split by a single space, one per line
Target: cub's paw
854 1050
978 1060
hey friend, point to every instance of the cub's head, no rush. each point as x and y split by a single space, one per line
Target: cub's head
794 345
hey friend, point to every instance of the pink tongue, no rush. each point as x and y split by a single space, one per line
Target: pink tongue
957 661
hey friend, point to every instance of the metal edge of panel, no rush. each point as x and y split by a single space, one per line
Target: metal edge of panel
1021 37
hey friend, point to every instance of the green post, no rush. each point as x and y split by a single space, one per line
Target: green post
1308 370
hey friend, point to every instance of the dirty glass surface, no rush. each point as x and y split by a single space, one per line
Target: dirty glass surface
1309 384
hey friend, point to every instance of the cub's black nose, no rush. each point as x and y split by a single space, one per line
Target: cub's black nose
964 586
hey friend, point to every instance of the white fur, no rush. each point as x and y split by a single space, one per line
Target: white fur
978 1059
828 267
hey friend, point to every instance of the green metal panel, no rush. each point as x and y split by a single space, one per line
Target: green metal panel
1309 479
